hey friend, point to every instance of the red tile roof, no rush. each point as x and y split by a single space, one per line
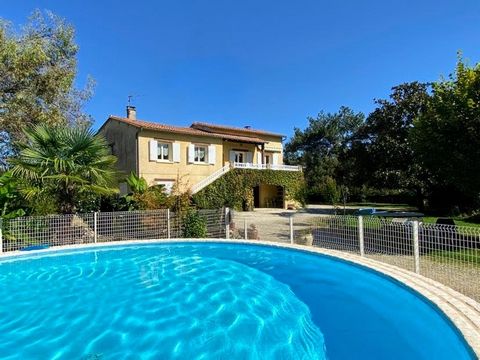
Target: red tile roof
219 128
185 130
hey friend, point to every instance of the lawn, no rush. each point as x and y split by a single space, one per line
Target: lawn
459 221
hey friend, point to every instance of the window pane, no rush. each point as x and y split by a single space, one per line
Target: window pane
163 151
200 153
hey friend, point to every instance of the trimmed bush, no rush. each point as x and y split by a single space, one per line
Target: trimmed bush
194 225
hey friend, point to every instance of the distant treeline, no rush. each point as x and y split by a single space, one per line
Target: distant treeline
420 146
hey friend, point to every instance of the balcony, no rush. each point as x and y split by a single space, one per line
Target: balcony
239 165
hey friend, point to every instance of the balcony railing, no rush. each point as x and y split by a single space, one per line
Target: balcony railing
238 165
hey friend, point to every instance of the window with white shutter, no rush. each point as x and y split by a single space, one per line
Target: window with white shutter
211 154
153 150
176 152
191 153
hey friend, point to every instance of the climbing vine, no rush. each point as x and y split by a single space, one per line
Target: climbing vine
235 189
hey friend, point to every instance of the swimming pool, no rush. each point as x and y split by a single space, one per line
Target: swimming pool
212 301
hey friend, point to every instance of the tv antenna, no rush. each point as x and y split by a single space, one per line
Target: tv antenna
132 97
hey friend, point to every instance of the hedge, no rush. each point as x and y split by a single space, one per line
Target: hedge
235 189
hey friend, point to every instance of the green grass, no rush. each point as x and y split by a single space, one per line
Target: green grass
466 256
458 221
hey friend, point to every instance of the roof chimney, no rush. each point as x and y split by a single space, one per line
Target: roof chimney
131 112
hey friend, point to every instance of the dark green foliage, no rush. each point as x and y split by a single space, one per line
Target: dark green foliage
10 198
329 190
421 146
321 148
391 162
144 197
235 189
446 138
194 226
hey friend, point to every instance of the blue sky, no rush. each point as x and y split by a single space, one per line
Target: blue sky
268 64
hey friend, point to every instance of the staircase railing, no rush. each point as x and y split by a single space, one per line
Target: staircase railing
238 165
209 179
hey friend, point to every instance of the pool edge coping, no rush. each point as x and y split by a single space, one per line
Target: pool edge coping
461 310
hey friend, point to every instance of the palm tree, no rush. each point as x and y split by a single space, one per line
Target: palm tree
66 163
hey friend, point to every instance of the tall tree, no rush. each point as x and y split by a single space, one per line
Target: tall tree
321 145
447 135
37 70
68 164
392 163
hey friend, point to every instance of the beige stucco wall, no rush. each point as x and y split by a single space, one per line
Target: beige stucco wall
271 147
189 174
122 139
229 145
274 145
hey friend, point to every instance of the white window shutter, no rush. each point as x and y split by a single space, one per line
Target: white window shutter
259 157
249 157
176 152
191 153
212 154
153 150
232 156
275 159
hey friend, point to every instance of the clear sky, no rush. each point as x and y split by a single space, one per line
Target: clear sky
264 63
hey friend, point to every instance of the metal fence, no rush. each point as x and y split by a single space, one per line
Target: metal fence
56 230
445 253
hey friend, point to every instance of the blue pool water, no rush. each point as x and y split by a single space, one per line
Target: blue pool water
212 301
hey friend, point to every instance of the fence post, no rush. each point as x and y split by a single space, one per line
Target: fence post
361 239
1 235
291 230
95 232
245 228
227 223
416 247
168 224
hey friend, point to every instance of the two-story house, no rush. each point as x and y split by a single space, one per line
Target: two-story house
198 155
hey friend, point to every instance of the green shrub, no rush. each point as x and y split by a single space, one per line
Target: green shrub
10 198
194 225
329 190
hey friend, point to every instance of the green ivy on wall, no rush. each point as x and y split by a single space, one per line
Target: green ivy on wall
235 189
